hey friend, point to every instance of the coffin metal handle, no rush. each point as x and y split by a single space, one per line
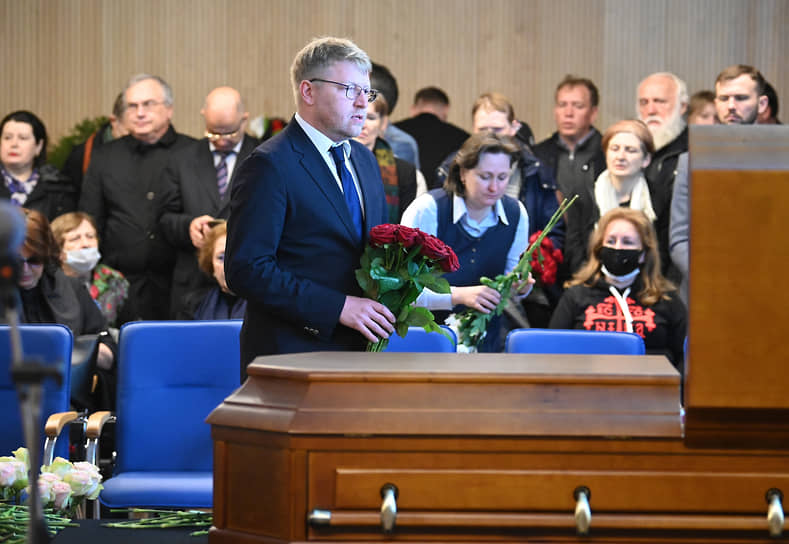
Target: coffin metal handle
389 495
583 513
319 518
775 512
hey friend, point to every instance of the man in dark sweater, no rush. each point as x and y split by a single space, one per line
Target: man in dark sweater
435 137
121 191
575 155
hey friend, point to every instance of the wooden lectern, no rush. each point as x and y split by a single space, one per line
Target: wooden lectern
331 447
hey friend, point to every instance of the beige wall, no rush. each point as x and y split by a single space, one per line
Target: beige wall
67 59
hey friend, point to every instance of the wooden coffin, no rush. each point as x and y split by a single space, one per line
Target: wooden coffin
479 447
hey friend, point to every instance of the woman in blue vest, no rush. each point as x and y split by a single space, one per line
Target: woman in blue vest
487 229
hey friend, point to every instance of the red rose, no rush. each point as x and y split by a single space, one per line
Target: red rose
383 234
433 248
409 237
450 264
94 291
551 257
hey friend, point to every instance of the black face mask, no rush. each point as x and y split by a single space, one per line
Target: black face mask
620 261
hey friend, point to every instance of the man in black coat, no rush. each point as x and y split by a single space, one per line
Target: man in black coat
435 137
195 187
121 192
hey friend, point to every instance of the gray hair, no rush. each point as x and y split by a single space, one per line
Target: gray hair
321 53
134 80
682 88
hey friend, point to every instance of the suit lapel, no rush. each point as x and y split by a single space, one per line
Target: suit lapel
319 172
205 173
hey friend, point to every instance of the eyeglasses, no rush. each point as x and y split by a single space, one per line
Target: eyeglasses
31 261
148 105
214 136
352 91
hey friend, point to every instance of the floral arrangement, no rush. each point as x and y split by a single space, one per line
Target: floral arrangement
471 325
546 260
62 485
398 263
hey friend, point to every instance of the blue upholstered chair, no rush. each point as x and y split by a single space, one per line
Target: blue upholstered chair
49 344
417 340
171 375
573 341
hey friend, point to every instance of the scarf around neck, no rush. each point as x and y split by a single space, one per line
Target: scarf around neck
386 163
606 199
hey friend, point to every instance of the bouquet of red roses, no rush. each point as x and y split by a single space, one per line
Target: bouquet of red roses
397 265
546 260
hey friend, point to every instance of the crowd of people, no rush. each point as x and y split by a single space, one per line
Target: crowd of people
138 223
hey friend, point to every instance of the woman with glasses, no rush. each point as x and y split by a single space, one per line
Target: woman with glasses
26 180
49 296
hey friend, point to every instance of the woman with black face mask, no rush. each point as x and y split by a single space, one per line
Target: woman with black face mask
621 288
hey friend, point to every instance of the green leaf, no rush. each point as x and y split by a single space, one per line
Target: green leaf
419 317
401 328
364 281
432 282
390 299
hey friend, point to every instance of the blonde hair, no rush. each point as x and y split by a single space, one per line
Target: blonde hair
636 128
205 256
655 285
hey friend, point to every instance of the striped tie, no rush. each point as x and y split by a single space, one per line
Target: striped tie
221 172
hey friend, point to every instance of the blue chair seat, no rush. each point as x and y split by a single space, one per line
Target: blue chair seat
159 490
574 342
419 341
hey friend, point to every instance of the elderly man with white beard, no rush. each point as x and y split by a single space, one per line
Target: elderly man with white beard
662 102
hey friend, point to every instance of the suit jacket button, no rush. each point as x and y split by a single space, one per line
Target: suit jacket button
150 195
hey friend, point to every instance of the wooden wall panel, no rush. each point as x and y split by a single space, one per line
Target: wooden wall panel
67 59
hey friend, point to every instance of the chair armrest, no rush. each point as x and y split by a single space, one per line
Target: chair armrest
96 423
52 429
56 422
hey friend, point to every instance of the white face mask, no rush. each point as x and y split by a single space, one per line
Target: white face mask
624 278
82 261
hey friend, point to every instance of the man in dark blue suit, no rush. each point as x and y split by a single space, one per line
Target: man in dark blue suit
300 212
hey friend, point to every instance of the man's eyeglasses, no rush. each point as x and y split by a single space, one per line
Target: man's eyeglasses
352 91
214 136
148 105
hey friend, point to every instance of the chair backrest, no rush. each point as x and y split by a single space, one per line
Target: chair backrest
171 374
45 343
419 341
573 341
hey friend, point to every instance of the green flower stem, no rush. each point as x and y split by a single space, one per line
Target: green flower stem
167 519
473 324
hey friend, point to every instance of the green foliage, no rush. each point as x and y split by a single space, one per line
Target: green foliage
79 133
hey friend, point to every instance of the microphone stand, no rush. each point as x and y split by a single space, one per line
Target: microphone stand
28 377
